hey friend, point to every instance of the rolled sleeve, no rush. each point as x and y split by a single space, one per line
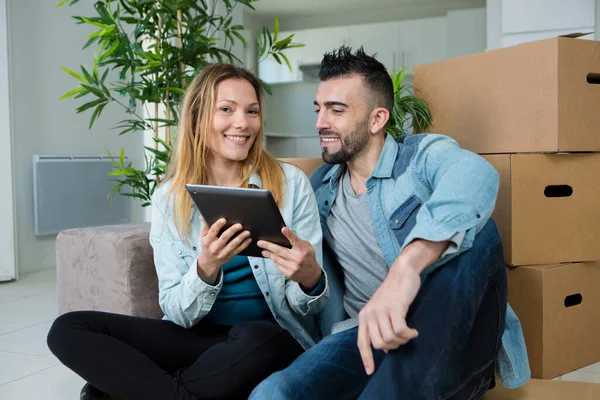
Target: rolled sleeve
464 188
306 224
183 297
307 304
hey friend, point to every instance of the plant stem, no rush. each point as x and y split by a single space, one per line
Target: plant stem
157 48
180 45
168 116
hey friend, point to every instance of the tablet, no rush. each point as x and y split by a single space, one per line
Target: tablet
255 209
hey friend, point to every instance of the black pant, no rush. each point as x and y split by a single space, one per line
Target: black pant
138 358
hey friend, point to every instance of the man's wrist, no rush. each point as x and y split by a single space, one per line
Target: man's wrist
419 254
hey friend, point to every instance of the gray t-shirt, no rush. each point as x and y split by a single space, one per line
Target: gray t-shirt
350 235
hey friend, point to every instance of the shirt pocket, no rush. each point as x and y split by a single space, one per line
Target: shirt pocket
184 252
404 218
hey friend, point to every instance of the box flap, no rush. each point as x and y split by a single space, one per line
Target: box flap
538 389
575 34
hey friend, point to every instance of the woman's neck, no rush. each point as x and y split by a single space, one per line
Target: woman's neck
222 172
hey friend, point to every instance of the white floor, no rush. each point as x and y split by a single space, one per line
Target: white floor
28 371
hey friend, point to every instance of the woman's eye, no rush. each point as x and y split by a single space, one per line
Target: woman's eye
226 109
254 112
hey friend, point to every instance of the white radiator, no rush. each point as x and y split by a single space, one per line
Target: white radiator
72 192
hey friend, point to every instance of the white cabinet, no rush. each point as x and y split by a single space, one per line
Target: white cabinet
397 44
403 44
378 38
546 15
317 42
422 41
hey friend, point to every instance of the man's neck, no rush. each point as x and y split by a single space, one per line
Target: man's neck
223 172
363 165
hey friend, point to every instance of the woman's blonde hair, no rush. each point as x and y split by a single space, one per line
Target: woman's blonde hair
188 163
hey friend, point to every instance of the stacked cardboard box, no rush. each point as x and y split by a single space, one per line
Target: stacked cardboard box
533 111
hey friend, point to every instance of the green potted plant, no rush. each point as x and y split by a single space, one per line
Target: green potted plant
409 109
147 52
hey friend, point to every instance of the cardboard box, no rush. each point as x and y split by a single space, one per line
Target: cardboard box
537 389
540 96
307 165
548 207
559 309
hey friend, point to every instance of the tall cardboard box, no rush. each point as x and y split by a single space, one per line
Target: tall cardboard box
559 309
548 207
541 96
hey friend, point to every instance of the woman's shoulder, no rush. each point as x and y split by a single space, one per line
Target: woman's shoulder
291 172
160 198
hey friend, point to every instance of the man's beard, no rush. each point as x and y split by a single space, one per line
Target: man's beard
351 145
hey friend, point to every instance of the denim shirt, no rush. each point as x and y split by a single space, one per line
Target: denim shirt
424 187
185 298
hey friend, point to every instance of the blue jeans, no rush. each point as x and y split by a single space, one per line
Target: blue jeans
459 313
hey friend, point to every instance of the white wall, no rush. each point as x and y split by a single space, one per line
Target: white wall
42 38
7 244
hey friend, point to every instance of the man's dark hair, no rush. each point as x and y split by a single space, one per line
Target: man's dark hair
341 63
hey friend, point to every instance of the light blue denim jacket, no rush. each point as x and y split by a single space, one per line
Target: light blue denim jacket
424 187
186 299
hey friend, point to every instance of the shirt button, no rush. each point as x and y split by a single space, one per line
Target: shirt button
194 248
256 267
478 215
267 294
397 221
179 252
326 202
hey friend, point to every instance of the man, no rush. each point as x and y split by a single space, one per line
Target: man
422 308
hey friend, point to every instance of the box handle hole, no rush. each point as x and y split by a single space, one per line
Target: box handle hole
558 191
593 78
573 300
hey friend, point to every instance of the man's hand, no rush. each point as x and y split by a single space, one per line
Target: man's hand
298 263
382 321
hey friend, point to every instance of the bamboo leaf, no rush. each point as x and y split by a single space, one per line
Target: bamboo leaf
74 74
276 30
96 114
77 90
111 50
89 42
89 105
239 36
95 23
286 61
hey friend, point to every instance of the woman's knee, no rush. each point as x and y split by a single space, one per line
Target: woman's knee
58 335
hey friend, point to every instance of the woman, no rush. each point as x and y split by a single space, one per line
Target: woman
230 321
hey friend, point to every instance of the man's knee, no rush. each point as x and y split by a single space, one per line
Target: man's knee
277 386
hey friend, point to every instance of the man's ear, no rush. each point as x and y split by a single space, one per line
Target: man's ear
379 117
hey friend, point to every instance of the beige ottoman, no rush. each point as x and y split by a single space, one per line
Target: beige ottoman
108 268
